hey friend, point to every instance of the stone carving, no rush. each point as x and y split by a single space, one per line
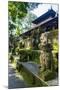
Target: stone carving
46 57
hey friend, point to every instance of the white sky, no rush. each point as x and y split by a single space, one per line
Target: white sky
42 8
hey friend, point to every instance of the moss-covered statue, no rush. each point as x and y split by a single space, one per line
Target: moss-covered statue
46 57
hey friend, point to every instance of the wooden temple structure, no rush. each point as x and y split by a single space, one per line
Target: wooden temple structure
45 23
40 38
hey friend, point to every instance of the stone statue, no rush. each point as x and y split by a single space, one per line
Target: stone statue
46 57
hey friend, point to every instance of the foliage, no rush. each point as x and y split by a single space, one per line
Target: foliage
18 31
17 9
16 14
55 45
27 21
29 55
47 75
54 37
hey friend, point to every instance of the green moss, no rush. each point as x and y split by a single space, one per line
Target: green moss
27 77
47 75
56 64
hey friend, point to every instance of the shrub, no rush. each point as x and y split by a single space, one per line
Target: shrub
29 55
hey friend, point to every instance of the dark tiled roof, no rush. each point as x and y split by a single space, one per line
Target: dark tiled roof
49 23
49 19
49 13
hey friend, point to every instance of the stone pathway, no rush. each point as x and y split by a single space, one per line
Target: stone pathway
16 82
32 67
13 80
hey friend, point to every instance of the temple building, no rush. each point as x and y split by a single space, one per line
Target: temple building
40 44
45 23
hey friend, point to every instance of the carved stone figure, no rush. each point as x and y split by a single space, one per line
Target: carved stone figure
46 57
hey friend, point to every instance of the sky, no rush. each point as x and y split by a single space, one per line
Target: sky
42 8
